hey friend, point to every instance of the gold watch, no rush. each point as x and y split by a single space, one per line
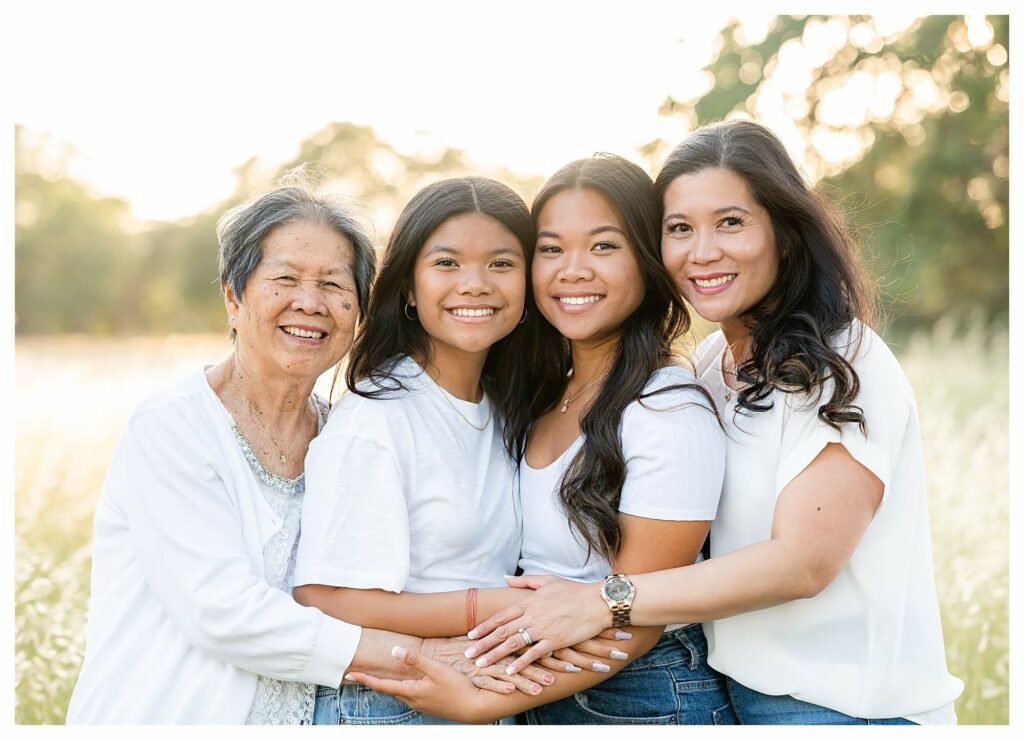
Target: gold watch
618 592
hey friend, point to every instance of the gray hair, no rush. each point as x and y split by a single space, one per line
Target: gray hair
242 230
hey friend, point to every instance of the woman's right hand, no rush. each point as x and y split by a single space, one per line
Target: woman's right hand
559 614
530 681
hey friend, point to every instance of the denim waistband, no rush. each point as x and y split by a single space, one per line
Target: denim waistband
681 645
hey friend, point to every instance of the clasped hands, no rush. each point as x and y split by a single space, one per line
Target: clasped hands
570 625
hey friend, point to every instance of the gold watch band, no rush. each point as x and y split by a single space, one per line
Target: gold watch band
620 615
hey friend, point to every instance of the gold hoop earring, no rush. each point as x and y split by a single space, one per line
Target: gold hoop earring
406 312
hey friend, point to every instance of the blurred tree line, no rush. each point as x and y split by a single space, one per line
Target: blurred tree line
906 128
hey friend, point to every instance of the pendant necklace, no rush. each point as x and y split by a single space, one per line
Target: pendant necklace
568 400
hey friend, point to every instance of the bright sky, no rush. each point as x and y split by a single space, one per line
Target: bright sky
163 102
161 106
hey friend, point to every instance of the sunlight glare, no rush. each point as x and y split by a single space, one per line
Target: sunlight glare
979 30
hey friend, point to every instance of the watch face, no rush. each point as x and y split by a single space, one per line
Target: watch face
617 589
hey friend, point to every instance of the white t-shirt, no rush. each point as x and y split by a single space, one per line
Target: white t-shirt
675 459
403 494
870 644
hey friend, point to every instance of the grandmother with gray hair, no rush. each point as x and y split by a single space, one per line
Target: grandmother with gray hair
191 618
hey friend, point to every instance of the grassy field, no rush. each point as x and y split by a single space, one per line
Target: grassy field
75 394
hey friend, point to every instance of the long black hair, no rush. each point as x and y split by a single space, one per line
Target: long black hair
388 334
821 286
590 489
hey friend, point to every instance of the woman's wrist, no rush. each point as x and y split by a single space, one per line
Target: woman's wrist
597 608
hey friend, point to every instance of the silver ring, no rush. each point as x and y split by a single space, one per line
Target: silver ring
526 636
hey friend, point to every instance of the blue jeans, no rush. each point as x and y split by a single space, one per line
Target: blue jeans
353 704
754 708
672 684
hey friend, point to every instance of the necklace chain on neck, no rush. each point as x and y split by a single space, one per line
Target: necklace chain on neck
444 395
566 401
281 456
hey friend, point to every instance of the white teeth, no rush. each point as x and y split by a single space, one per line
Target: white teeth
715 281
296 332
579 300
472 311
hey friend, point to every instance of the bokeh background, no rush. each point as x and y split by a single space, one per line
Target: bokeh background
902 120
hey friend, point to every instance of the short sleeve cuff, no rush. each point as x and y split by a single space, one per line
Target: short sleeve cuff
866 454
333 652
364 579
669 515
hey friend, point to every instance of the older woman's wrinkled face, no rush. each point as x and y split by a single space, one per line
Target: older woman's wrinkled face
298 311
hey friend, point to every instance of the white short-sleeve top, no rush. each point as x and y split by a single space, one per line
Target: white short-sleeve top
870 644
405 493
675 459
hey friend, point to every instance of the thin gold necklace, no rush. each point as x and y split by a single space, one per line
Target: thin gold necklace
490 409
283 458
566 401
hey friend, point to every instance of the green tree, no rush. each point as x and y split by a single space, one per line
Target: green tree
927 190
352 159
72 253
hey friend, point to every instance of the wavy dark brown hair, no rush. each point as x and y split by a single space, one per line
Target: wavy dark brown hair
387 334
591 487
821 287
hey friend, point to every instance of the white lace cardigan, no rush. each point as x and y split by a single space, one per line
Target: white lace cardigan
182 621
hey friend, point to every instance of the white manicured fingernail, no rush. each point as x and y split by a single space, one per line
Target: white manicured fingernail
508 671
349 677
472 635
399 652
479 662
620 635
573 669
470 652
602 668
619 655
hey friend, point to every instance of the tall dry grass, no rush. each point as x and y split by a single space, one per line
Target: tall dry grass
75 394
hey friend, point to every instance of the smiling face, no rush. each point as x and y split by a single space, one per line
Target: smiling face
719 246
586 276
298 310
469 284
